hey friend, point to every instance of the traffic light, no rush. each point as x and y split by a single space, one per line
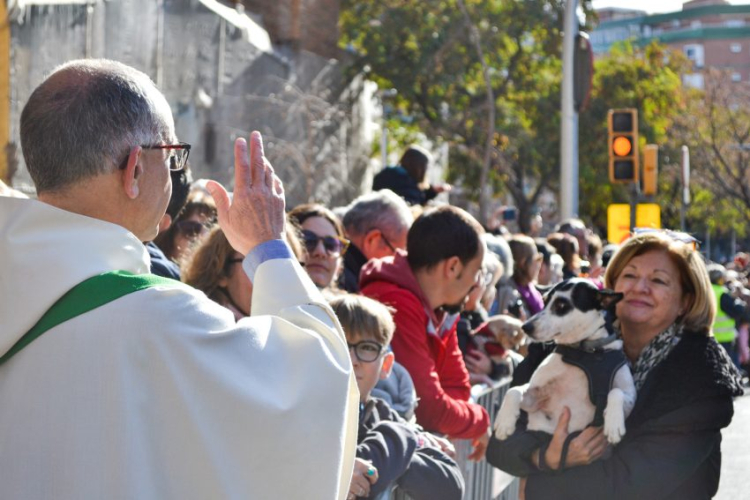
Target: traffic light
650 169
623 145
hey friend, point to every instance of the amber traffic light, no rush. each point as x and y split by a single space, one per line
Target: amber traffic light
623 145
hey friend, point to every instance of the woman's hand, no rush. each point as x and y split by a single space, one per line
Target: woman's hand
364 476
478 362
588 446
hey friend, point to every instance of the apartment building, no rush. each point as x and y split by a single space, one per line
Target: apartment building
711 33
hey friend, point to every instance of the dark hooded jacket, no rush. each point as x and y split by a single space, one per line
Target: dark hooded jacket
672 446
398 451
398 180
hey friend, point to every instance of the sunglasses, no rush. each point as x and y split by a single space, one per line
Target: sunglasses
333 244
685 238
190 228
367 351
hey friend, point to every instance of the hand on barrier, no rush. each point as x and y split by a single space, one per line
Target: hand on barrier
364 476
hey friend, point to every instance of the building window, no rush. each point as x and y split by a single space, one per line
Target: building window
736 77
734 23
694 80
695 53
736 48
695 24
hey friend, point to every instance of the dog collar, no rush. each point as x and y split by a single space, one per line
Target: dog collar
595 345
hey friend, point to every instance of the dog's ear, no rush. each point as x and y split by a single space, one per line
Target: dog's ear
608 298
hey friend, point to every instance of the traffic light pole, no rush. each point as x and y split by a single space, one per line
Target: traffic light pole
635 194
569 119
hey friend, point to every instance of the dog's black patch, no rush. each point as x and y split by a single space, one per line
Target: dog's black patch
563 285
586 296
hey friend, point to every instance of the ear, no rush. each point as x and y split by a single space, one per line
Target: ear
370 242
452 267
133 173
608 298
385 369
165 222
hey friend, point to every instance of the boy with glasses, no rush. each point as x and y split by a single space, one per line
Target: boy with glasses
390 451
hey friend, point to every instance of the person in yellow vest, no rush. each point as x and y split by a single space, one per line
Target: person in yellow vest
730 312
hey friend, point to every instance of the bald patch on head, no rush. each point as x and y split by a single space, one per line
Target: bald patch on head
85 117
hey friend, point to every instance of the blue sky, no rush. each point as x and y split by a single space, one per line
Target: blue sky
650 6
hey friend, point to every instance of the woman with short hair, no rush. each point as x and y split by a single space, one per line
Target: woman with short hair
685 383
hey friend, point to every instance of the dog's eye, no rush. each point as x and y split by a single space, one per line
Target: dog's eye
561 307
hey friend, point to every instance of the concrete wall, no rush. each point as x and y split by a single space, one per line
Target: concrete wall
220 85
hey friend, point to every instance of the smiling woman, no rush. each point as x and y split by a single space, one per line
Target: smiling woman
323 238
685 385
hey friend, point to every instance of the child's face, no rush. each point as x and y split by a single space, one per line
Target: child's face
368 373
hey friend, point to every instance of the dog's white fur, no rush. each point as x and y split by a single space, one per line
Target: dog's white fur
556 384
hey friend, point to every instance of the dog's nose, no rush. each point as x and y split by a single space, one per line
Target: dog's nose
528 327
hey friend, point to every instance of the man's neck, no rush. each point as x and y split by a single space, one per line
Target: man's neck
84 198
431 286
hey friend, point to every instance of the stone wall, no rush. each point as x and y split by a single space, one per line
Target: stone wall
223 79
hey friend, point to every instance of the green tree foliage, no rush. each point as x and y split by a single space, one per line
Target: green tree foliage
424 50
646 79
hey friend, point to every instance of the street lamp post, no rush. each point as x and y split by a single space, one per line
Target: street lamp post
569 119
385 95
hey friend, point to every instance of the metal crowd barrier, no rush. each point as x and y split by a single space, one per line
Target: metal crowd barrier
483 481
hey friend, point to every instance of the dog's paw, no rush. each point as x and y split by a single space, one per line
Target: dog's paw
503 429
614 427
505 423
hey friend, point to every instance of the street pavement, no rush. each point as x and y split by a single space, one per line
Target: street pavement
735 448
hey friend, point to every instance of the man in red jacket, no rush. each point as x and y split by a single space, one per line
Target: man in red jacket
427 289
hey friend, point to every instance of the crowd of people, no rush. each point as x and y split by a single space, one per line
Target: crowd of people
335 344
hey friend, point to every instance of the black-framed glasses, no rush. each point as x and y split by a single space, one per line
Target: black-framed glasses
178 155
367 351
333 245
382 236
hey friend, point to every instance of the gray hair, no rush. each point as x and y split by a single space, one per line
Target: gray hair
500 247
384 210
85 117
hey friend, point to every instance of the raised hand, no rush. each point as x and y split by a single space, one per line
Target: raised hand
255 214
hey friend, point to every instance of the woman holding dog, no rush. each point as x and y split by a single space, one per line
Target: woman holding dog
685 382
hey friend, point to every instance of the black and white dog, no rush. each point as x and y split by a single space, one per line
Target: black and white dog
588 371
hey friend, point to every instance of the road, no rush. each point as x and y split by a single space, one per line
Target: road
735 448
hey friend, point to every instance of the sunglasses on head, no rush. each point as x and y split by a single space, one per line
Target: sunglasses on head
680 236
190 228
332 244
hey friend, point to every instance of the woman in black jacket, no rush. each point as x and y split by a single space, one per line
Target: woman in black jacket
685 383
